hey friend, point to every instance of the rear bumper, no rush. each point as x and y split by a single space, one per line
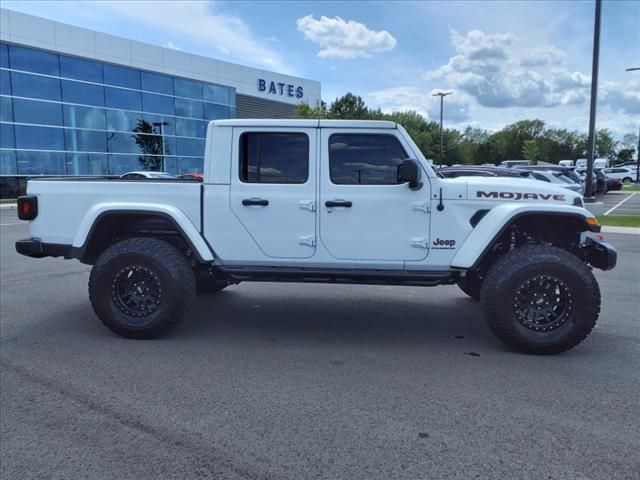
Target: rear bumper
32 247
600 254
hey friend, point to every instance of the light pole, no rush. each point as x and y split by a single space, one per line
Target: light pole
161 125
441 95
631 69
588 193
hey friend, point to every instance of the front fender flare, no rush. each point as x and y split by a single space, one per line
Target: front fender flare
496 221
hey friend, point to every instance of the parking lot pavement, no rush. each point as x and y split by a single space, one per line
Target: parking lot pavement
621 203
293 381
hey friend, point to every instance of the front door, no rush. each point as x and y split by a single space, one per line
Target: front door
365 215
273 188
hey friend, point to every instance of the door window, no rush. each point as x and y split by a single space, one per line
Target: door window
365 159
274 157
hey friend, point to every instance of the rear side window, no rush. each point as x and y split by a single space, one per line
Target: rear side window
365 159
274 157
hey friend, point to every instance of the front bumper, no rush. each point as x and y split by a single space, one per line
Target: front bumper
600 254
32 247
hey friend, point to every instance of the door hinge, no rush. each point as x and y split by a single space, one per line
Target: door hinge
421 207
308 240
308 205
419 242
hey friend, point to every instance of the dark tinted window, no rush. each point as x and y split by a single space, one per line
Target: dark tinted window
122 99
25 85
41 138
80 69
121 76
34 111
538 176
365 159
41 163
154 82
274 157
84 117
33 60
84 93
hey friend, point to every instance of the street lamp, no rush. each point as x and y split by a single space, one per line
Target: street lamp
441 95
588 194
631 69
161 125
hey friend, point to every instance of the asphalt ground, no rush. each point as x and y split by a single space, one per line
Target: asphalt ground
293 381
621 202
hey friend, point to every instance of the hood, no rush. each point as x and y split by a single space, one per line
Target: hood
509 189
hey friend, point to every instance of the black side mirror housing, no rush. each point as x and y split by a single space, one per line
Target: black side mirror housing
409 172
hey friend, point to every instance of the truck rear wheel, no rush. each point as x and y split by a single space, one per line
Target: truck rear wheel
540 299
141 287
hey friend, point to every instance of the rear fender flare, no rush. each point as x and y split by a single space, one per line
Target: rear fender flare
187 228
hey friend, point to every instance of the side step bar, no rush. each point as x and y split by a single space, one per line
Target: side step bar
321 275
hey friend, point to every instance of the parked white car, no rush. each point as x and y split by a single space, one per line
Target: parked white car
142 174
557 179
623 173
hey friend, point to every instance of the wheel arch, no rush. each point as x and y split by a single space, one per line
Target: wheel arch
493 226
105 224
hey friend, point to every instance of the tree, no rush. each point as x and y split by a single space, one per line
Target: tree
605 145
151 145
349 106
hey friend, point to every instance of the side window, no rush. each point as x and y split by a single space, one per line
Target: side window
274 157
364 159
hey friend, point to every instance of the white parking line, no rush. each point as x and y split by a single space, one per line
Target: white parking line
619 203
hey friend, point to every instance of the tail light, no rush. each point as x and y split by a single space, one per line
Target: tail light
27 207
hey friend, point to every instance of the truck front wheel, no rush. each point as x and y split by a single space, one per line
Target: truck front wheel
540 299
141 287
470 284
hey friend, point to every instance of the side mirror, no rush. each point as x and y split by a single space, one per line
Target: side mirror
409 172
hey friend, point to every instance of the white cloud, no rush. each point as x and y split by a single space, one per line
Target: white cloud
544 55
172 46
200 23
456 106
344 39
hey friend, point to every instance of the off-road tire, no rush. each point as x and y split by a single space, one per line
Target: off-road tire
471 285
524 266
170 274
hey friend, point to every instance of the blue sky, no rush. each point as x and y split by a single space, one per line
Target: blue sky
504 61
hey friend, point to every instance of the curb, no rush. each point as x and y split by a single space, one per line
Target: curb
629 230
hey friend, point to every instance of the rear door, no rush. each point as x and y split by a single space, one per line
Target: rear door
273 188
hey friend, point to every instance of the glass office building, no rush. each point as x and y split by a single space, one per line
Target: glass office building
63 115
78 102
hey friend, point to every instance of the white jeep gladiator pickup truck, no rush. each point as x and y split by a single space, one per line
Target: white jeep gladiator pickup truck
325 201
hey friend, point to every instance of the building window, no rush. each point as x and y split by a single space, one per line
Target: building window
6 109
154 82
8 165
83 93
80 69
84 117
87 163
31 60
189 108
39 138
186 127
85 140
34 86
34 111
216 94
41 163
213 111
364 159
273 157
157 104
189 146
5 83
122 99
121 76
7 137
188 88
